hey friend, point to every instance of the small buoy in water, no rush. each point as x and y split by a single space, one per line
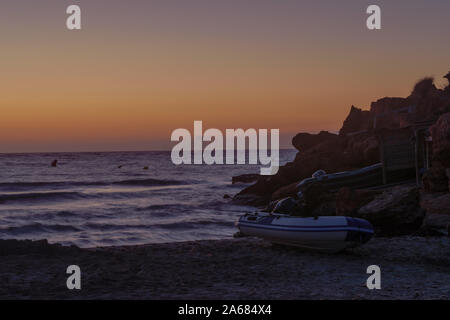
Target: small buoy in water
54 162
119 166
145 168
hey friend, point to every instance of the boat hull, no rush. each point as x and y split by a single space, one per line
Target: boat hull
322 233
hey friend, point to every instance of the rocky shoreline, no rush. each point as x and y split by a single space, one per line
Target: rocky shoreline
416 198
244 268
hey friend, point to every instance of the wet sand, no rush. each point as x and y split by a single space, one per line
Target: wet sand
244 268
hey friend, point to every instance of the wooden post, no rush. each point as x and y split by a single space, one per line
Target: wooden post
383 160
416 156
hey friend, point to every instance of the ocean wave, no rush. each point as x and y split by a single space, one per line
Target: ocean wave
63 195
19 186
171 225
37 228
161 207
151 182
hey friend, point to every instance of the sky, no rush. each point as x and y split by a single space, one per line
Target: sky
140 69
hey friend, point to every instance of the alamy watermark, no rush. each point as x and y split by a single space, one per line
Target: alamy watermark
190 148
73 21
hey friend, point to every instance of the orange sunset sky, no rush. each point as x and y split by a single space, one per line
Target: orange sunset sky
140 69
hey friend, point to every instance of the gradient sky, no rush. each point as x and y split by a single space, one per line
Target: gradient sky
140 69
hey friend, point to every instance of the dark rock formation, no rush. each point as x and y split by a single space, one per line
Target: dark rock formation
437 217
435 179
357 120
287 191
348 200
440 132
250 200
318 200
20 247
305 141
447 89
430 101
447 172
356 146
388 105
395 212
245 178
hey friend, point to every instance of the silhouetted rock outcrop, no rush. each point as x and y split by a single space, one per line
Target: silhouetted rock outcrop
396 210
304 141
357 120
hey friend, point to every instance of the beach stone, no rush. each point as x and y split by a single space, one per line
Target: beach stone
394 212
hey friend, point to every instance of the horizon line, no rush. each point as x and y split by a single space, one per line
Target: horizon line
111 151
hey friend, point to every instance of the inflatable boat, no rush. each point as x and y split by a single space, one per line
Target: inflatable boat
331 234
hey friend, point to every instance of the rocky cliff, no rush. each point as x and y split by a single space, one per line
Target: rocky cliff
356 146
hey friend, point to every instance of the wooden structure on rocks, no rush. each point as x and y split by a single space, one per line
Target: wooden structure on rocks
405 153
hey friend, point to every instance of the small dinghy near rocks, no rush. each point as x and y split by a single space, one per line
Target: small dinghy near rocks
331 234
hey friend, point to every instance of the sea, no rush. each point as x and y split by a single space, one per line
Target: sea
118 198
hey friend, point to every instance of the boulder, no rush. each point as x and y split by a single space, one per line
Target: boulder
436 203
396 211
245 178
435 225
435 179
287 191
357 120
305 141
348 200
362 150
437 219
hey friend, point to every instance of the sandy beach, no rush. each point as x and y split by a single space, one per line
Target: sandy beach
244 268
